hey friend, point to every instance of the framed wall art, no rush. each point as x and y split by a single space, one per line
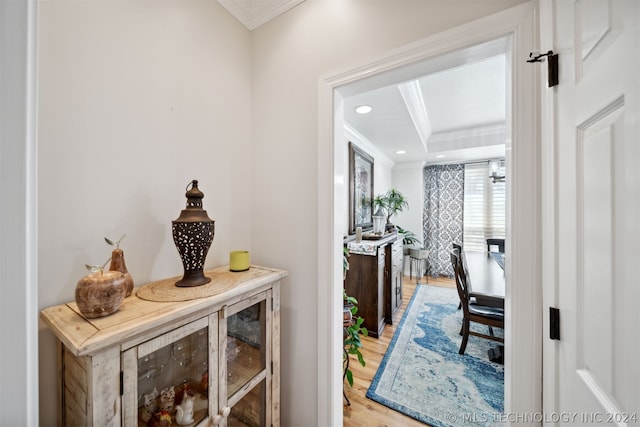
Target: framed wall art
360 189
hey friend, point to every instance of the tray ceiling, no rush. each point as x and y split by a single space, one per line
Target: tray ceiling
449 109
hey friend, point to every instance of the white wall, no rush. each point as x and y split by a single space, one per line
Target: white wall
291 54
136 99
408 178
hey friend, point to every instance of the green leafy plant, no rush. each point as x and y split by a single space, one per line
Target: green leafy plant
408 237
391 203
352 341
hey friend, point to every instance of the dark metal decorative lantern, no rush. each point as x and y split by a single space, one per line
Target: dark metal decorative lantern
193 233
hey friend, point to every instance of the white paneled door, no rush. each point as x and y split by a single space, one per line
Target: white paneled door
596 132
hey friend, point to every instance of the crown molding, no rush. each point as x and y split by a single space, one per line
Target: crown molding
359 139
410 165
414 101
481 136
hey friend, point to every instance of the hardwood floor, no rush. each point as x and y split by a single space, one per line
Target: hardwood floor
364 412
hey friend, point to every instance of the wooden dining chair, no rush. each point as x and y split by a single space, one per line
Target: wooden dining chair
471 312
495 242
458 247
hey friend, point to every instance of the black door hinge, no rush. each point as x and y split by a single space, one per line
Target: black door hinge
554 323
552 67
121 383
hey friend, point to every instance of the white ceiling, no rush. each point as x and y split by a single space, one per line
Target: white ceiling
447 109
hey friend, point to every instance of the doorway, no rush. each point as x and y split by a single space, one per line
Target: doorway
421 125
523 338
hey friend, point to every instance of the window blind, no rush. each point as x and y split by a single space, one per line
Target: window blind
484 206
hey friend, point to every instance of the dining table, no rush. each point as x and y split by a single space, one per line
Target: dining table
485 277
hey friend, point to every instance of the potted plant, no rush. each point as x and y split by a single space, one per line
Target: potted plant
408 237
391 203
352 326
409 240
352 342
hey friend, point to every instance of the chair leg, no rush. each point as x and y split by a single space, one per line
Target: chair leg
465 336
426 271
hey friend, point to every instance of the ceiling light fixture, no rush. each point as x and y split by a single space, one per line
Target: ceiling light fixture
494 165
440 156
401 152
363 109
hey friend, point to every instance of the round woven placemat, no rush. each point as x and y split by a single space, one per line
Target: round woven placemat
221 280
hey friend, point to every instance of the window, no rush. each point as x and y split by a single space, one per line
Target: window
484 206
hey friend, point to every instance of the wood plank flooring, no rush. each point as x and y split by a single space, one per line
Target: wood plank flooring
364 412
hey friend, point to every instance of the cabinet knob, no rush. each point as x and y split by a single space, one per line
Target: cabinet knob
226 411
216 420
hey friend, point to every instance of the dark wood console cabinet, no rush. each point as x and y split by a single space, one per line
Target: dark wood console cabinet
393 288
375 280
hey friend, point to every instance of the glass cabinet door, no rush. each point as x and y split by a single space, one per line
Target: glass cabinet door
248 349
172 378
213 371
250 409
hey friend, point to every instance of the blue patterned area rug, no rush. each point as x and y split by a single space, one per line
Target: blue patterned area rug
423 376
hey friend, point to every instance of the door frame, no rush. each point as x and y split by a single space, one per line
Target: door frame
19 243
523 336
548 224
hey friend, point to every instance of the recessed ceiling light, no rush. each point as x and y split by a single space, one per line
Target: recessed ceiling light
363 109
401 152
440 156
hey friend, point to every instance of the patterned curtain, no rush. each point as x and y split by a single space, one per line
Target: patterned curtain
443 214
